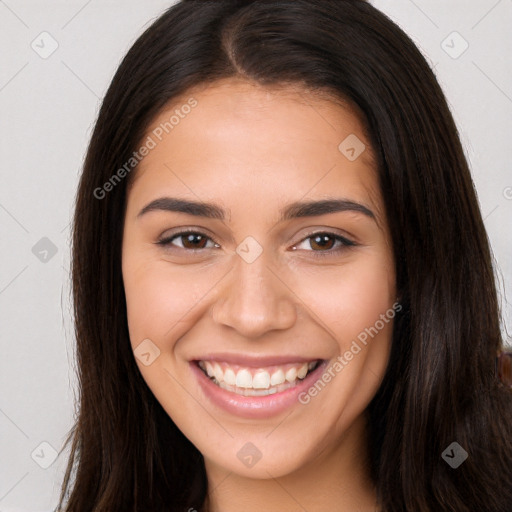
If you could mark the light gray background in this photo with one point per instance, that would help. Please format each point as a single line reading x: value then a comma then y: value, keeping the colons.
x: 48, y: 106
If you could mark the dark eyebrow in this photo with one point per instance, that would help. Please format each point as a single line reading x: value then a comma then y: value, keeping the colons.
x: 313, y: 208
x: 291, y: 211
x: 172, y: 204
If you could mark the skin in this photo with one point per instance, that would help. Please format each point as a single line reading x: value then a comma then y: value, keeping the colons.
x: 253, y: 150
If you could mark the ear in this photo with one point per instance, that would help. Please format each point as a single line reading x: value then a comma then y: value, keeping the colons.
x: 504, y: 367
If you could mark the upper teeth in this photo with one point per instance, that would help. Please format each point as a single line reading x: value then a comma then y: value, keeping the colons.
x: 256, y: 378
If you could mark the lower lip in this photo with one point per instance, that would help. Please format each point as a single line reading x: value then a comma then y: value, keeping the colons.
x: 254, y: 406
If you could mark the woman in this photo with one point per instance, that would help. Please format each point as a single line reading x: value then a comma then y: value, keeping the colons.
x: 224, y: 363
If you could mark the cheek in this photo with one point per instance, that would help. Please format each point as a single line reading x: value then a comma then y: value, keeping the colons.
x: 162, y: 302
x: 349, y: 298
x: 354, y: 303
x: 147, y: 296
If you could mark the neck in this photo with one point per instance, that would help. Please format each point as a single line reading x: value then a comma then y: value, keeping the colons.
x: 337, y: 479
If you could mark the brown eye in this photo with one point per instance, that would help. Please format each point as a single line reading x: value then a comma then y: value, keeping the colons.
x: 193, y: 241
x: 190, y: 240
x: 324, y: 243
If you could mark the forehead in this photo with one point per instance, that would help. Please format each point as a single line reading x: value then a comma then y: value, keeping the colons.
x: 266, y: 142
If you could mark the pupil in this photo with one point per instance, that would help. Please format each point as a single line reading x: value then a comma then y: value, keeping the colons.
x: 194, y: 238
x: 323, y: 240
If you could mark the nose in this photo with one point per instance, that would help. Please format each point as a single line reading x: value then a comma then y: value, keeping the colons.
x: 255, y: 300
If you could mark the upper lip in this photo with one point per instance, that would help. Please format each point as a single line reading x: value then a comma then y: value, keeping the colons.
x: 252, y: 361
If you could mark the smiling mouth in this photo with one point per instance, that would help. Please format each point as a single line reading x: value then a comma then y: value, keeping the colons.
x: 246, y: 381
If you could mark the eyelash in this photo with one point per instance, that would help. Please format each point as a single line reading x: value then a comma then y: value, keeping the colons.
x: 346, y: 243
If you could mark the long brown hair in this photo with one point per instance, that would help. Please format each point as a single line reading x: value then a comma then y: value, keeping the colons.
x: 440, y: 386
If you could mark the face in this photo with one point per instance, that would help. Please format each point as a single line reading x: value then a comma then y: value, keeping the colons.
x: 259, y: 274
